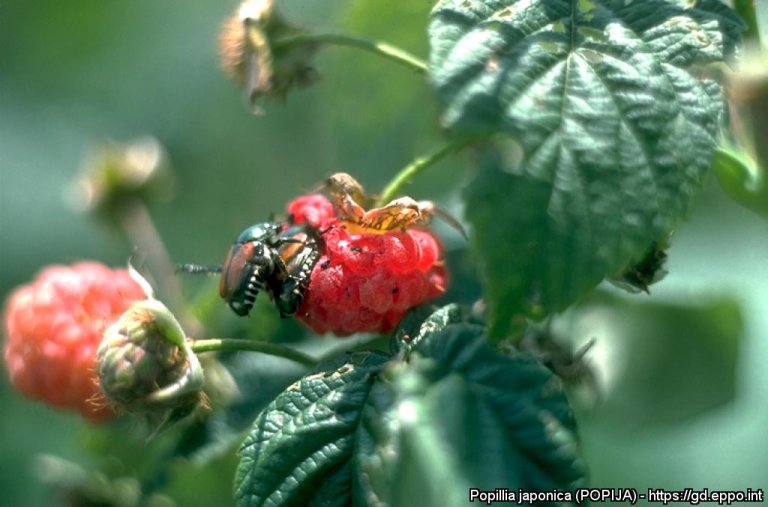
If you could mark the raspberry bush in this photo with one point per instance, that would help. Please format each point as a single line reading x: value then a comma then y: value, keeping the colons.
x: 449, y: 326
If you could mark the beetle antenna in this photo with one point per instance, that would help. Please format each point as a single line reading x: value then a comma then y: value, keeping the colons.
x: 197, y: 269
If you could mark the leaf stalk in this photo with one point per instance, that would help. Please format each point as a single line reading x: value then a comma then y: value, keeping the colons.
x: 271, y: 349
x: 418, y: 165
x: 379, y: 48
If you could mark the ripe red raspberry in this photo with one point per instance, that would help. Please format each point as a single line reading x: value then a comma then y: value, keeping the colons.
x: 365, y: 282
x: 53, y: 327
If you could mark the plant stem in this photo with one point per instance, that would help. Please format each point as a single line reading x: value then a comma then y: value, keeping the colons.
x: 407, y: 173
x: 380, y: 48
x: 140, y: 230
x: 272, y: 349
x: 746, y: 9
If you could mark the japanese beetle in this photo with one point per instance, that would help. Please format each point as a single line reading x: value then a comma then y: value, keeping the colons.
x: 250, y: 264
x: 266, y: 256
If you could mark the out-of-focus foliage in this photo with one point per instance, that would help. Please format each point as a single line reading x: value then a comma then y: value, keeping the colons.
x: 719, y: 251
x: 668, y: 362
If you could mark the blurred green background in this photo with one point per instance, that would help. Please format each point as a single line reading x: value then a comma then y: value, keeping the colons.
x: 73, y: 74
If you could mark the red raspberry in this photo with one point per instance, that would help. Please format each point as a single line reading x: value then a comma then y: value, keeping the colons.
x: 365, y: 282
x: 315, y: 209
x: 53, y: 328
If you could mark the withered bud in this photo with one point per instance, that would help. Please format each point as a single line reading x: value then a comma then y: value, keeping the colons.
x: 253, y: 57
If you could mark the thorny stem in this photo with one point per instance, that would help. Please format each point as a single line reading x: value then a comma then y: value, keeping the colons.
x: 746, y: 9
x: 272, y: 349
x: 382, y: 49
x: 407, y: 173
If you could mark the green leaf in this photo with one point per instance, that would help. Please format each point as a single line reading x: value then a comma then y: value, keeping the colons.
x: 460, y: 415
x: 223, y: 429
x: 303, y: 440
x: 456, y: 414
x: 545, y: 70
x: 419, y: 324
x: 614, y: 124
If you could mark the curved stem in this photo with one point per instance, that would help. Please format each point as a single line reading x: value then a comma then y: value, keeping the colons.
x: 271, y: 349
x: 407, y: 173
x: 380, y: 48
x: 741, y: 179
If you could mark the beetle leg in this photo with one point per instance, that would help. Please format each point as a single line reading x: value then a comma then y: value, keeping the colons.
x: 291, y: 293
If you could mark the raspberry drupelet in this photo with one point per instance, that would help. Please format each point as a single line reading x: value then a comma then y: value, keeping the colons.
x: 365, y: 282
x: 53, y: 327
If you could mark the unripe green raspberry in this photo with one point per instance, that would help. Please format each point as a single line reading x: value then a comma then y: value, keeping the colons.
x: 145, y: 365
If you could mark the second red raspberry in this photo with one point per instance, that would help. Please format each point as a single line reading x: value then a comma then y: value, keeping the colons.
x: 366, y: 282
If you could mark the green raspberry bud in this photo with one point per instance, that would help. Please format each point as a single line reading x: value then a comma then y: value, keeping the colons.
x: 145, y: 365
